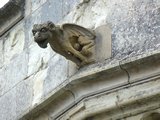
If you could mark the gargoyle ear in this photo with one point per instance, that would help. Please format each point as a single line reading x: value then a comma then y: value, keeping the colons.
x: 35, y: 25
x: 50, y: 24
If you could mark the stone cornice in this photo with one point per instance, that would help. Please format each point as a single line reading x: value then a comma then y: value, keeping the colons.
x: 105, y: 79
x: 10, y: 14
x: 127, y: 101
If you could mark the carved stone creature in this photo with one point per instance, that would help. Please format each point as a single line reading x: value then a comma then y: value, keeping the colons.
x: 73, y: 42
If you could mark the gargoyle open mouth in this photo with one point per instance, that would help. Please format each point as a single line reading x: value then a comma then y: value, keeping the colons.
x: 42, y: 43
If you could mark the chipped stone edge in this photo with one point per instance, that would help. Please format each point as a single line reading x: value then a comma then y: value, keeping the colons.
x: 89, y: 74
x: 11, y: 13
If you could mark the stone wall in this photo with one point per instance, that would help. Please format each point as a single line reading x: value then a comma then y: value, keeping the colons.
x: 29, y: 74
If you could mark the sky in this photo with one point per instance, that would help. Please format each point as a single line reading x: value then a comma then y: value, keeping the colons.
x: 3, y: 2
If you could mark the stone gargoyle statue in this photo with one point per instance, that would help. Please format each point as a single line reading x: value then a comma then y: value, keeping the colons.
x: 72, y: 41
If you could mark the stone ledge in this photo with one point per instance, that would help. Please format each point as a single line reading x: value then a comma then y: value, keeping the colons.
x: 88, y: 75
x: 10, y: 14
x: 119, y: 104
x: 142, y: 67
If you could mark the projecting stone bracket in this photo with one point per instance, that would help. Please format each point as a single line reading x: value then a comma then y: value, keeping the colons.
x: 103, y: 43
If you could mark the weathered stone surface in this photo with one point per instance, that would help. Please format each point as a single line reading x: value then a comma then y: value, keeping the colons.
x: 103, y: 81
x: 8, y: 105
x: 52, y: 11
x: 133, y: 23
x: 15, y: 101
x: 68, y: 6
x: 42, y: 117
x: 38, y: 87
x: 138, y: 117
x: 10, y: 14
x: 2, y: 81
x: 143, y: 115
x: 1, y: 53
x: 13, y: 43
x: 29, y: 21
x: 38, y: 58
x: 72, y: 68
x: 135, y: 30
x: 141, y: 69
x: 24, y: 96
x: 57, y: 73
x: 36, y: 4
x: 118, y: 104
x: 103, y: 42
x: 16, y: 71
x: 28, y: 8
x: 55, y: 11
x: 66, y: 98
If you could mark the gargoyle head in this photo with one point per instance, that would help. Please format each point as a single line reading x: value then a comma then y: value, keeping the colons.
x: 42, y: 33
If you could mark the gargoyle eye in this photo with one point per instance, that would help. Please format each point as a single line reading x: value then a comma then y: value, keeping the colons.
x: 43, y: 30
x: 34, y: 32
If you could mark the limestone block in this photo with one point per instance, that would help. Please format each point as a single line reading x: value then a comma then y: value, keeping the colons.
x: 2, y: 80
x: 38, y: 87
x: 103, y: 43
x: 8, y: 105
x: 1, y: 53
x: 38, y: 58
x: 88, y: 82
x: 68, y: 6
x: 14, y: 43
x: 16, y: 71
x: 55, y: 11
x: 72, y: 68
x: 28, y: 8
x: 52, y: 11
x: 42, y: 117
x: 16, y: 101
x: 134, y: 31
x: 36, y: 4
x: 24, y: 96
x: 57, y: 73
x: 120, y: 103
x: 134, y: 118
x: 143, y: 68
x: 60, y: 104
x: 29, y: 22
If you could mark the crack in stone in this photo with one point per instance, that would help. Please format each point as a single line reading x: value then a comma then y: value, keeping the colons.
x: 125, y: 70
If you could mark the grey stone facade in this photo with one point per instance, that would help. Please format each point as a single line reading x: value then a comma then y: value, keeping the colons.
x: 38, y: 84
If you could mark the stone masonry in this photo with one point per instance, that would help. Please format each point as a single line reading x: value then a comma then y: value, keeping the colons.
x: 38, y: 84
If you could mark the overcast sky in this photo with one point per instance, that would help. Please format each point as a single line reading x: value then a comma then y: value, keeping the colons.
x: 3, y: 2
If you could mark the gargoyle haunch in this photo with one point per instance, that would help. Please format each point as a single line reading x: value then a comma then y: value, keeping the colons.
x: 73, y: 42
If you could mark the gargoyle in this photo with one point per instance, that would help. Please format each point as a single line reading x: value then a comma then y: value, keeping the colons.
x: 73, y: 42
